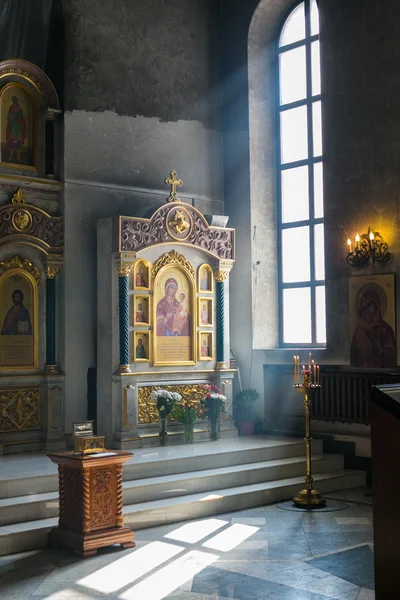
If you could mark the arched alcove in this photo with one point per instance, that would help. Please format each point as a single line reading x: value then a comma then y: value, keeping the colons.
x: 263, y: 31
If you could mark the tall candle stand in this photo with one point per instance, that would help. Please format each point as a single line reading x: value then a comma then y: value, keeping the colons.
x: 309, y: 497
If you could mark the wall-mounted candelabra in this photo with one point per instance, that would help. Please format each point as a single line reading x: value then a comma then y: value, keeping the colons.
x: 368, y: 246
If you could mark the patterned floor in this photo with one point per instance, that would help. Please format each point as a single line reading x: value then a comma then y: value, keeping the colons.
x: 259, y: 554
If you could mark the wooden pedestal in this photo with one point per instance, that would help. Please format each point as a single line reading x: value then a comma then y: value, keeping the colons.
x: 90, y: 490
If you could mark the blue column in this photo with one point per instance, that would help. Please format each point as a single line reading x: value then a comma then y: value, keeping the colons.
x: 123, y: 287
x: 220, y: 279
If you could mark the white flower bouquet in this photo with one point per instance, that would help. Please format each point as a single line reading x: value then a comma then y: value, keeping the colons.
x: 165, y: 401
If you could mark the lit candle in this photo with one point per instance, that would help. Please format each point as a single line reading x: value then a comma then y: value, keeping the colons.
x: 295, y: 370
x: 309, y: 361
x: 317, y: 374
x: 357, y: 241
x: 349, y: 244
x: 371, y: 238
x: 298, y: 370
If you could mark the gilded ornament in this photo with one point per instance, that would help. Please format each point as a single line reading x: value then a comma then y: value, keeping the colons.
x: 19, y: 197
x: 148, y: 410
x: 179, y: 223
x: 169, y: 258
x: 20, y: 263
x: 124, y: 269
x: 19, y: 409
x: 51, y: 271
x: 21, y: 220
x: 174, y: 183
x: 221, y: 276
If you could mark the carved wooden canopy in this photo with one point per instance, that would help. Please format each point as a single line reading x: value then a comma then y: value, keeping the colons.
x: 23, y: 223
x: 176, y: 223
x: 18, y: 69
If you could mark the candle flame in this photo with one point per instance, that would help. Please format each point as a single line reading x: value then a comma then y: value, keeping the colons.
x: 357, y: 238
x: 371, y: 236
x: 348, y: 242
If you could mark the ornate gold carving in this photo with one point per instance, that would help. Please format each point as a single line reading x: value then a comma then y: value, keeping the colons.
x: 21, y: 220
x: 21, y: 263
x: 179, y: 223
x: 19, y: 197
x: 51, y: 271
x: 172, y: 257
x: 124, y: 269
x: 221, y: 276
x: 148, y: 410
x: 103, y: 499
x: 174, y: 183
x: 125, y: 406
x: 120, y: 518
x: 19, y: 409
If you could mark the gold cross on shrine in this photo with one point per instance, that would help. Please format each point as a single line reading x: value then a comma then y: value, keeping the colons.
x: 174, y: 183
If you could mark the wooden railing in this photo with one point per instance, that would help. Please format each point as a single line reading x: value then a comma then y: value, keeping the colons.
x: 344, y: 393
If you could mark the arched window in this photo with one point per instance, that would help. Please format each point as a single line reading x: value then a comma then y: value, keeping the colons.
x: 299, y: 186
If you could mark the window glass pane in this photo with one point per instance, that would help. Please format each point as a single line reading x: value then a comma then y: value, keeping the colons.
x: 295, y: 198
x: 317, y: 128
x: 294, y: 144
x: 318, y: 191
x: 319, y: 251
x: 315, y: 69
x: 292, y: 75
x: 320, y: 314
x: 297, y: 316
x: 295, y: 254
x: 295, y: 27
x: 314, y: 18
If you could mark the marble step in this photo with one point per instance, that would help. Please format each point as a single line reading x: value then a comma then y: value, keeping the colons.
x: 31, y: 535
x: 42, y: 506
x: 30, y: 476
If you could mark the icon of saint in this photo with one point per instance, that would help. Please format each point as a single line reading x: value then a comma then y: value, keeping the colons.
x: 140, y: 280
x: 204, y: 315
x: 17, y: 320
x: 141, y: 316
x: 172, y: 318
x: 140, y: 349
x: 373, y: 345
x: 204, y: 350
x: 204, y: 280
x: 16, y: 131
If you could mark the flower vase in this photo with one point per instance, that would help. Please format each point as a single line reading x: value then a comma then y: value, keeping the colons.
x: 163, y: 432
x: 188, y: 433
x: 214, y: 430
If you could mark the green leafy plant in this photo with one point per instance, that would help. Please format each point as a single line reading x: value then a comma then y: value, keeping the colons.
x: 186, y: 412
x: 243, y: 404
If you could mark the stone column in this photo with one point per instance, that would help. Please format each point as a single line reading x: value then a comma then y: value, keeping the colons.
x: 124, y: 270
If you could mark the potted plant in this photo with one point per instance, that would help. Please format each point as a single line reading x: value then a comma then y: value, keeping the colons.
x: 243, y: 407
x: 166, y: 402
x: 186, y: 412
x: 214, y: 403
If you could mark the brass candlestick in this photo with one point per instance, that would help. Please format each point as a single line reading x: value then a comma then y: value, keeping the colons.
x: 309, y: 497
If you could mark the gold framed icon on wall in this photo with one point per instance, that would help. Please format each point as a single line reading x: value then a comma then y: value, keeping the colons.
x: 205, y: 277
x: 141, y: 346
x: 141, y: 275
x: 205, y: 312
x: 19, y: 333
x: 206, y: 345
x: 141, y: 310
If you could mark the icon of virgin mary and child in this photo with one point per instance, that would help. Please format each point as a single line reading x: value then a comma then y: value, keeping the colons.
x: 172, y: 315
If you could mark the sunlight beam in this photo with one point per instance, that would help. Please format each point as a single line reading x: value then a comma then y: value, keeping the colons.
x: 231, y: 537
x: 171, y: 577
x: 128, y: 569
x: 191, y: 533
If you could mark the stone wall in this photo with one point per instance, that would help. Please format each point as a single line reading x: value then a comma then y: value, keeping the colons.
x: 361, y: 131
x: 141, y: 99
